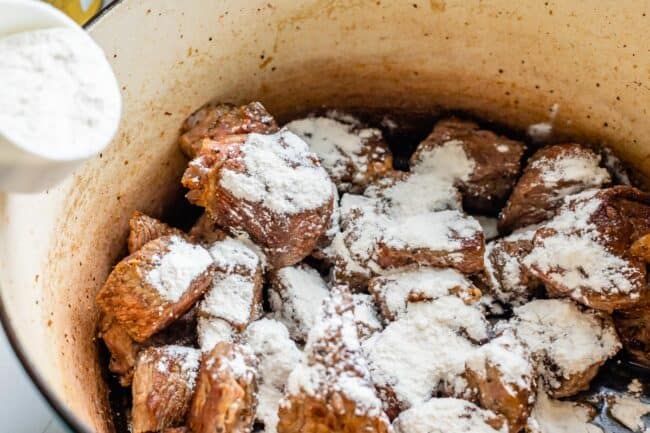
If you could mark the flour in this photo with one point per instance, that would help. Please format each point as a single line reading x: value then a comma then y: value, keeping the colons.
x: 174, y: 272
x: 296, y: 296
x: 567, y: 340
x: 447, y: 415
x: 365, y: 315
x: 403, y: 356
x: 180, y: 360
x: 448, y: 162
x: 489, y: 226
x: 575, y: 258
x: 342, y: 145
x: 579, y: 168
x: 508, y: 355
x: 279, y: 173
x: 232, y: 254
x: 231, y: 298
x: 58, y: 97
x: 394, y: 292
x: 277, y: 356
x: 212, y: 331
x: 557, y: 416
x: 334, y: 362
x: 541, y: 132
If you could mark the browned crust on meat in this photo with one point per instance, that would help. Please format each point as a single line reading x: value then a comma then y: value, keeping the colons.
x: 222, y: 401
x: 160, y: 398
x: 493, y: 394
x: 531, y: 201
x: 495, y: 171
x: 218, y: 120
x: 206, y: 231
x: 144, y: 228
x: 286, y: 239
x: 136, y: 305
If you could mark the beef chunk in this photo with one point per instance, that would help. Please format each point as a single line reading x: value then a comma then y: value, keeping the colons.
x: 331, y: 390
x: 163, y: 384
x: 225, y: 399
x: 353, y: 154
x: 151, y: 288
x: 144, y: 228
x: 552, y: 173
x: 269, y: 186
x: 216, y: 121
x: 492, y: 162
x: 584, y: 252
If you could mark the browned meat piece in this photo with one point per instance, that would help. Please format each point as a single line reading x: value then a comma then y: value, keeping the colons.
x: 295, y: 296
x: 505, y: 278
x: 163, y: 384
x: 403, y: 366
x: 353, y: 154
x: 374, y: 241
x: 394, y: 292
x: 206, y: 231
x: 583, y: 252
x: 492, y: 162
x: 226, y: 391
x: 123, y: 349
x: 235, y: 294
x: 568, y: 345
x: 366, y: 316
x: 551, y: 174
x: 219, y: 120
x: 331, y: 390
x: 502, y: 374
x: 144, y: 228
x: 449, y: 415
x: 269, y: 186
x: 641, y: 248
x: 151, y: 288
x: 633, y: 326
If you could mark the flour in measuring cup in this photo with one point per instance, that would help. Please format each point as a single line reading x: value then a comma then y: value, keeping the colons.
x: 58, y: 96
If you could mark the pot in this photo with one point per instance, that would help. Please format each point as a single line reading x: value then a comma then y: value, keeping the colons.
x: 509, y: 62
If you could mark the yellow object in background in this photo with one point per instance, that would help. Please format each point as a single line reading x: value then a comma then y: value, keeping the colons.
x: 79, y: 10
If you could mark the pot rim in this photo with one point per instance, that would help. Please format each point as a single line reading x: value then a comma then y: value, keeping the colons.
x: 70, y: 420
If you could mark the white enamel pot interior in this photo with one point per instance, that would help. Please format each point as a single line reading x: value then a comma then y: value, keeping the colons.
x: 505, y: 61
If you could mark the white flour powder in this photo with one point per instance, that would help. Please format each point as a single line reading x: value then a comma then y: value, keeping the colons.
x: 58, y: 96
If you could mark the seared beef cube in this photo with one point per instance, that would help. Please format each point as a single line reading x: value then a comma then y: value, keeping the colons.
x: 163, y: 384
x: 144, y: 228
x: 353, y: 154
x: 503, y: 376
x: 269, y: 186
x: 506, y: 279
x: 449, y: 415
x: 278, y: 356
x: 584, y: 252
x: 404, y: 364
x: 235, y: 294
x: 552, y: 173
x: 151, y: 288
x: 216, y: 121
x: 394, y: 292
x: 225, y: 398
x: 374, y: 241
x: 483, y: 165
x: 331, y: 390
x: 296, y: 295
x: 567, y: 344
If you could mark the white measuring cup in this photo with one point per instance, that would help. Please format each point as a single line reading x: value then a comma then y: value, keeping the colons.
x: 22, y: 169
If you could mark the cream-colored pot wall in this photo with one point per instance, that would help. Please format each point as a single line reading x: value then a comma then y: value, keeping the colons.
x: 503, y: 60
